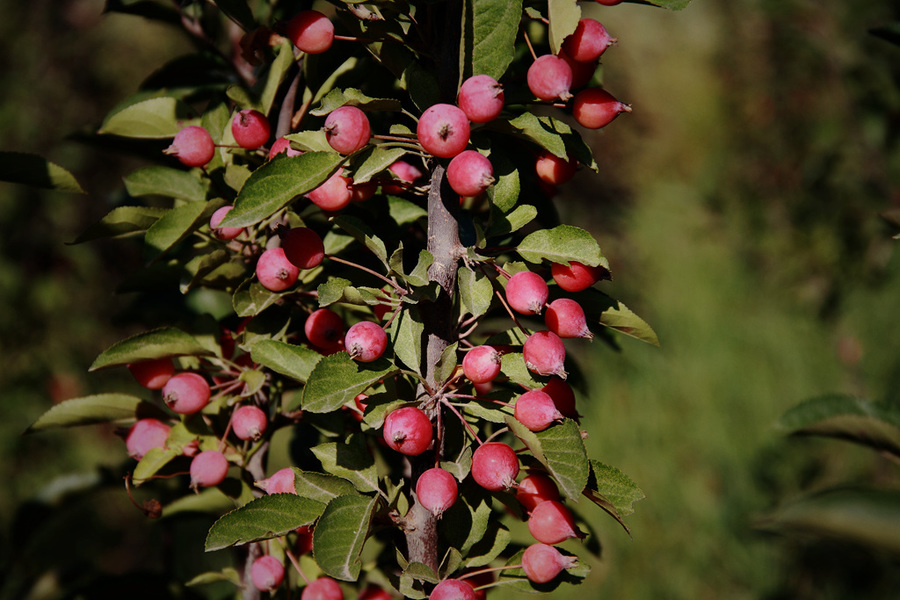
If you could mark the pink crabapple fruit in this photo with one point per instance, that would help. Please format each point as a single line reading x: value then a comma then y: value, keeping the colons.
x: 609, y: 2
x: 527, y: 293
x: 582, y: 72
x: 280, y: 482
x: 145, y: 435
x: 405, y: 172
x: 225, y: 234
x: 311, y: 31
x: 535, y: 410
x: 553, y: 169
x: 334, y: 194
x: 208, y: 469
x: 360, y: 192
x: 323, y: 588
x: 267, y: 573
x: 274, y: 271
x: 550, y: 78
x: 481, y: 98
x: 408, y: 430
x: 365, y: 341
x: 551, y: 523
x: 453, y: 589
x: 443, y: 130
x: 249, y: 422
x: 495, y: 466
x: 280, y: 145
x: 577, y: 276
x: 470, y: 173
x: 589, y: 40
x: 594, y: 108
x: 565, y: 318
x: 534, y: 489
x: 373, y: 592
x: 324, y: 329
x: 563, y: 396
x: 250, y: 129
x: 481, y: 364
x: 186, y: 393
x: 436, y: 490
x: 303, y: 247
x: 542, y: 562
x: 193, y: 146
x: 347, y: 129
x: 154, y: 373
x: 545, y: 354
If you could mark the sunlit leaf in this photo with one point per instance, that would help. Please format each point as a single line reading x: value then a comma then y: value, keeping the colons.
x: 296, y: 362
x: 88, y: 410
x: 562, y: 244
x: 340, y: 534
x: 337, y: 379
x: 352, y: 461
x: 489, y: 36
x: 560, y: 449
x: 564, y: 16
x: 265, y: 518
x: 165, y: 181
x: 158, y: 343
x: 156, y: 118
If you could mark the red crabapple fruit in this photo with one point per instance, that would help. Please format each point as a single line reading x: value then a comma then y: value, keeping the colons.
x: 404, y: 172
x: 565, y: 318
x: 542, y: 563
x: 250, y: 129
x: 408, y: 430
x: 551, y: 523
x: 333, y: 194
x: 249, y: 422
x: 595, y: 108
x: 452, y: 589
x: 324, y: 329
x: 609, y: 2
x: 225, y: 234
x: 145, y: 435
x: 303, y: 247
x: 347, y: 129
x: 436, y: 490
x: 495, y: 466
x: 481, y: 364
x: 577, y: 276
x: 550, y: 78
x: 193, y: 146
x: 545, y: 354
x: 280, y: 145
x: 274, y: 271
x: 365, y: 341
x: 553, y: 169
x: 563, y: 396
x: 535, y: 410
x: 186, y: 393
x: 534, y: 489
x: 280, y: 482
x: 582, y: 72
x: 470, y: 173
x: 373, y: 592
x: 527, y: 292
x: 443, y: 130
x: 323, y: 588
x: 589, y: 40
x: 267, y: 573
x: 360, y: 192
x: 208, y: 469
x: 153, y: 373
x: 311, y: 31
x: 481, y: 98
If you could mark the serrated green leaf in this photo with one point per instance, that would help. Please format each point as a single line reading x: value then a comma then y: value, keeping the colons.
x: 164, y: 181
x: 516, y: 219
x: 466, y: 522
x: 321, y: 487
x: 494, y: 542
x: 489, y: 36
x: 340, y: 535
x: 337, y: 379
x: 284, y: 58
x: 446, y: 364
x: 158, y: 343
x: 265, y: 518
x: 363, y: 234
x: 403, y: 211
x: 176, y: 225
x: 156, y: 118
x: 418, y: 277
x: 561, y: 450
x: 353, y: 97
x: 609, y: 312
x: 562, y: 244
x: 236, y: 176
x: 613, y: 491
x: 352, y: 461
x: 311, y: 141
x: 544, y: 131
x: 36, y: 171
x: 296, y: 362
x: 564, y: 16
x: 406, y: 334
x: 251, y: 298
x: 332, y: 290
x: 152, y: 461
x: 372, y: 161
x: 122, y: 221
x: 229, y: 574
x: 504, y: 194
x: 88, y: 410
x: 512, y: 364
x: 475, y: 290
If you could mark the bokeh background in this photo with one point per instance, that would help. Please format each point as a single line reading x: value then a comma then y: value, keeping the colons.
x: 738, y: 205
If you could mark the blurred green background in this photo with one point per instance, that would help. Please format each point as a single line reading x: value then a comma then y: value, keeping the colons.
x: 738, y: 205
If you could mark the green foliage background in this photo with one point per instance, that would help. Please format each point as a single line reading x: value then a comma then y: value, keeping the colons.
x: 737, y: 205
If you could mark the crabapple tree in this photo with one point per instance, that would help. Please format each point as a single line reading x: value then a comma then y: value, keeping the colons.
x: 361, y: 196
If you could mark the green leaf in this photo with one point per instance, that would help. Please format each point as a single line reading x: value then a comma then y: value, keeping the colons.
x: 321, y: 487
x: 352, y: 461
x: 158, y: 343
x: 544, y: 131
x: 504, y: 194
x: 374, y: 160
x: 560, y: 449
x: 516, y: 219
x: 152, y: 461
x: 122, y: 221
x: 284, y: 58
x: 403, y: 211
x: 670, y: 4
x: 494, y: 542
x: 265, y: 518
x: 164, y: 181
x: 209, y: 501
x: 353, y: 97
x: 363, y: 234
x: 609, y: 312
x: 36, y: 171
x: 564, y: 16
x: 296, y: 362
x: 446, y: 364
x: 613, y: 491
x: 475, y: 290
x: 239, y: 12
x: 406, y: 334
x: 340, y: 534
x: 156, y: 118
x: 88, y: 410
x: 560, y: 245
x: 337, y: 379
x: 489, y: 36
x: 311, y: 141
x: 176, y: 225
x: 251, y: 298
x: 466, y: 522
x: 512, y: 364
x: 275, y: 184
x: 228, y: 574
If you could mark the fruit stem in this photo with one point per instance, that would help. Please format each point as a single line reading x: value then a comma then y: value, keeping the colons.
x: 488, y: 570
x: 399, y: 289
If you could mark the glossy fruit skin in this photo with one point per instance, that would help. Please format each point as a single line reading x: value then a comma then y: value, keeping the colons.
x: 324, y: 329
x: 274, y: 271
x: 334, y: 194
x: 550, y: 78
x: 365, y: 341
x: 589, y: 40
x: 154, y: 373
x: 225, y: 234
x: 303, y: 247
x: 534, y: 489
x: 323, y: 588
x: 527, y: 293
x: 594, y: 108
x: 250, y: 129
x: 408, y: 430
x: 545, y: 354
x: 481, y: 98
x: 208, y: 469
x: 267, y: 573
x: 470, y: 173
x: 582, y: 72
x: 495, y: 466
x: 452, y: 589
x: 542, y: 563
x: 347, y: 129
x: 563, y: 396
x: 553, y: 169
x: 551, y: 523
x: 280, y: 482
x: 609, y: 2
x: 193, y: 146
x: 443, y: 130
x: 311, y: 31
x: 481, y: 364
x: 249, y: 422
x: 280, y: 145
x: 565, y: 318
x: 186, y: 393
x: 577, y: 276
x: 436, y: 490
x: 535, y: 410
x: 144, y: 435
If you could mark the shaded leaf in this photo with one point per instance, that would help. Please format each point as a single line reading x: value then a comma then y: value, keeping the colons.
x: 176, y: 225
x: 406, y: 339
x: 88, y: 410
x: 561, y: 450
x: 265, y: 518
x: 122, y: 221
x: 340, y: 535
x: 158, y: 343
x: 353, y: 97
x: 36, y: 171
x: 165, y: 181
x: 352, y: 461
x: 512, y: 364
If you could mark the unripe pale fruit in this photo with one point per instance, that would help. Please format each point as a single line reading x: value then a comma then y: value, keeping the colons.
x: 470, y: 173
x: 436, y: 490
x: 303, y: 247
x: 250, y: 129
x: 208, y: 469
x: 527, y: 293
x: 311, y: 31
x: 267, y: 573
x: 365, y: 341
x: 347, y: 129
x: 334, y: 194
x: 452, y: 589
x: 534, y: 489
x: 274, y: 271
x: 577, y: 276
x: 249, y: 422
x: 481, y: 364
x: 595, y: 108
x: 193, y: 146
x: 443, y: 130
x: 550, y: 78
x: 551, y: 523
x: 324, y: 329
x: 323, y: 588
x: 565, y: 318
x: 408, y: 430
x: 281, y: 482
x: 545, y: 354
x: 535, y: 410
x: 589, y: 40
x: 226, y: 234
x: 553, y: 169
x: 280, y: 145
x: 144, y: 435
x: 481, y: 98
x: 542, y: 563
x: 154, y: 373
x: 563, y: 396
x: 495, y: 466
x: 186, y: 393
